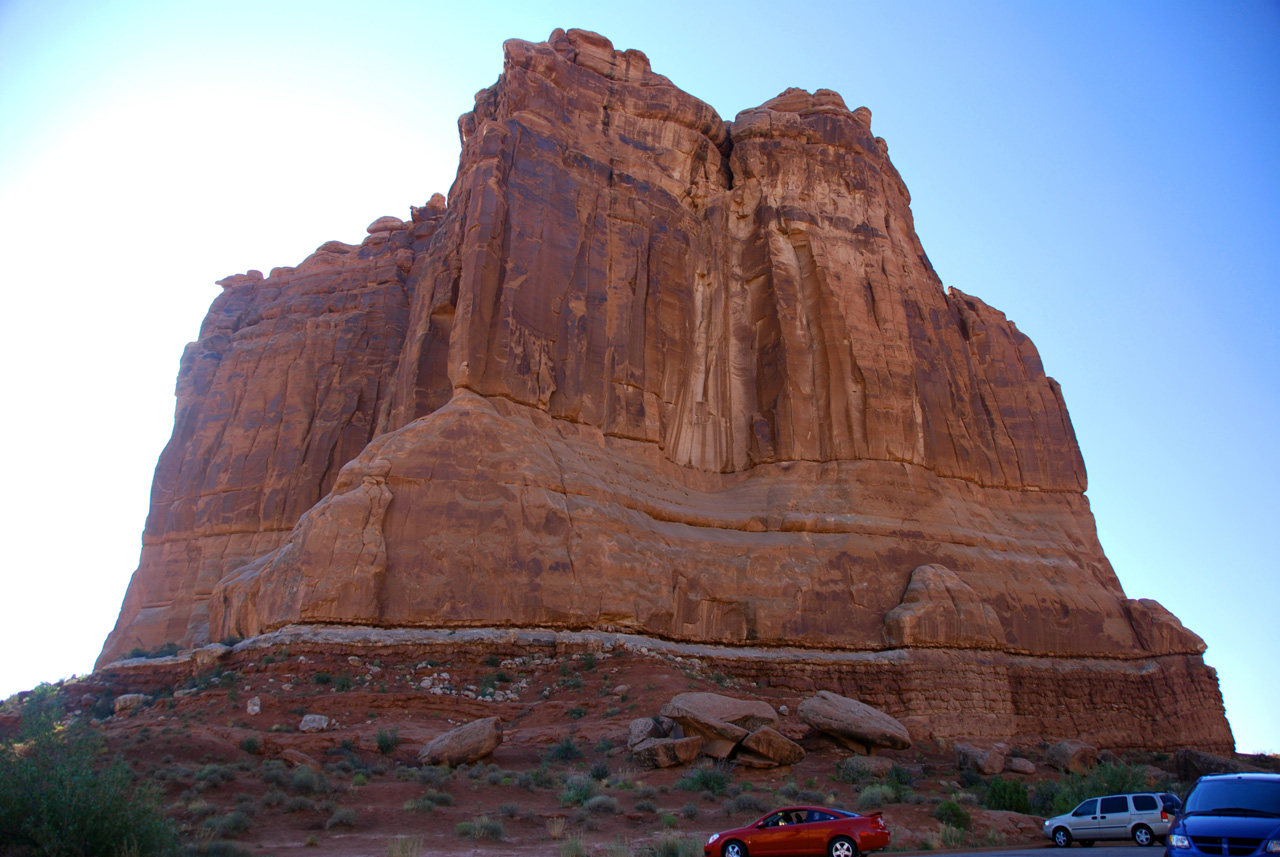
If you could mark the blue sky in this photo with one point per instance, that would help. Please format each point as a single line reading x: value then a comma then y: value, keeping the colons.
x: 1104, y: 173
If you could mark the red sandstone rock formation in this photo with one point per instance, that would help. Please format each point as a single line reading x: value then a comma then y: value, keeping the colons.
x: 650, y: 371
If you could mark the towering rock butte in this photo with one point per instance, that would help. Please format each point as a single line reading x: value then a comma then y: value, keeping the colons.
x: 660, y: 373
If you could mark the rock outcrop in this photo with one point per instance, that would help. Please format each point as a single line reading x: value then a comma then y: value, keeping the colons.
x: 652, y: 371
x: 855, y: 725
x: 465, y: 744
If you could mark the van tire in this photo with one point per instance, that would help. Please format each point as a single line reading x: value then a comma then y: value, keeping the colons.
x: 1062, y: 837
x: 1143, y: 835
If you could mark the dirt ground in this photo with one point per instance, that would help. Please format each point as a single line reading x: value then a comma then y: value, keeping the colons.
x: 226, y: 774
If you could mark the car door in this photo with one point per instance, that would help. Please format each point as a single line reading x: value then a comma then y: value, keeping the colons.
x: 1084, y: 820
x: 1113, y: 817
x: 771, y: 836
x: 819, y: 831
x: 793, y: 834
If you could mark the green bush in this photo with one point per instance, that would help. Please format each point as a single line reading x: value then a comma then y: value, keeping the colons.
x: 480, y: 828
x: 343, y: 817
x: 853, y: 771
x: 564, y: 751
x: 58, y: 798
x: 1009, y: 795
x: 388, y: 740
x: 952, y: 813
x: 671, y: 846
x: 602, y: 804
x: 1102, y: 780
x: 577, y: 791
x: 251, y: 745
x: 709, y: 778
x: 874, y: 796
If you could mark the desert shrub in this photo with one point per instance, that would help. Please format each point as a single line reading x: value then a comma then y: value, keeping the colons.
x: 669, y: 820
x: 874, y: 796
x: 251, y: 745
x: 343, y: 683
x: 388, y: 740
x: 404, y: 846
x: 509, y: 810
x: 573, y: 847
x: 601, y: 804
x: 577, y: 791
x: 305, y: 781
x: 482, y: 827
x: 555, y: 826
x: 708, y: 778
x: 577, y: 712
x: 236, y: 821
x: 789, y: 791
x: 434, y: 776
x: 57, y: 797
x: 853, y: 771
x: 604, y: 745
x: 671, y: 846
x: 690, y: 811
x: 343, y: 817
x: 646, y: 791
x: 952, y: 813
x: 428, y: 802
x: 1102, y: 780
x: 321, y: 678
x: 743, y: 803
x: 215, y: 775
x: 599, y: 771
x: 298, y: 803
x: 952, y: 837
x: 814, y: 796
x: 273, y: 773
x: 273, y: 797
x: 645, y: 806
x: 1009, y: 795
x: 1044, y: 796
x: 564, y: 751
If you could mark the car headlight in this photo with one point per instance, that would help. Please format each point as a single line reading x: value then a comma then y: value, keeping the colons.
x: 713, y: 838
x: 1273, y: 846
x: 1177, y: 840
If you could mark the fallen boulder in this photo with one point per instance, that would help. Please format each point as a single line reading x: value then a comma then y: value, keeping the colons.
x: 1072, y: 757
x: 313, y: 723
x: 771, y: 746
x: 1019, y: 765
x: 988, y: 762
x: 465, y: 744
x: 129, y: 702
x: 721, y: 721
x: 644, y: 728
x: 853, y: 724
x: 667, y: 752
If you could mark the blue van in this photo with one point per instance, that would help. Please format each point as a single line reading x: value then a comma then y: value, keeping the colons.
x: 1228, y: 815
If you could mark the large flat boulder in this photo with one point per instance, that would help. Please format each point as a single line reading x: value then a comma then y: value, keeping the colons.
x: 721, y: 721
x: 465, y: 744
x: 1072, y: 757
x: 853, y: 724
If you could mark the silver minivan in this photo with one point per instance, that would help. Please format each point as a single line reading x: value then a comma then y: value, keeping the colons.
x: 1143, y: 817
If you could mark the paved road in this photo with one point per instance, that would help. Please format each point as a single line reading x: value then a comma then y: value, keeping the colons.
x: 1117, y: 850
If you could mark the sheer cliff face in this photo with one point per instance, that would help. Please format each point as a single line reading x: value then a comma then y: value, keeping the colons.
x: 649, y: 371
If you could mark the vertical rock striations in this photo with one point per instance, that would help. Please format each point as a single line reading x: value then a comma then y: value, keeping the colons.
x: 662, y: 373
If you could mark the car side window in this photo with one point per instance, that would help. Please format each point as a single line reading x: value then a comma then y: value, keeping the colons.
x: 814, y: 815
x: 1115, y: 804
x: 1089, y: 807
x: 772, y: 821
x: 1144, y: 803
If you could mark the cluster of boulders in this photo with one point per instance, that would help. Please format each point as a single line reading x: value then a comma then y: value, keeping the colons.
x: 724, y: 727
x: 992, y: 760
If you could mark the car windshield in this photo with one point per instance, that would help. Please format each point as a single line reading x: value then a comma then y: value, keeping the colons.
x: 1235, y: 797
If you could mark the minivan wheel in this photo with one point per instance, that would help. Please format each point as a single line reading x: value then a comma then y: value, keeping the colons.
x: 1061, y: 837
x: 1143, y: 835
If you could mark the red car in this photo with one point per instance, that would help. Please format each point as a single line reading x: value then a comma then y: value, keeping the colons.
x: 801, y: 830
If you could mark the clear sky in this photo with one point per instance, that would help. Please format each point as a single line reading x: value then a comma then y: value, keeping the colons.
x: 1106, y: 173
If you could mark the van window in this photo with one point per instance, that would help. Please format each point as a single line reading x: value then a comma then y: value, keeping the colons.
x: 1144, y: 803
x: 1089, y: 807
x: 1112, y: 805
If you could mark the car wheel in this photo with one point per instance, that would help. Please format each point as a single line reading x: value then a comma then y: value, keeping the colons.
x: 842, y: 846
x: 1143, y: 835
x: 733, y: 848
x: 1086, y: 843
x: 1061, y: 837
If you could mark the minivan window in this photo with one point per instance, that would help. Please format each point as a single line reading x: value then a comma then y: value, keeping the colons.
x: 1144, y: 803
x: 1089, y: 807
x: 1170, y: 802
x: 1115, y: 804
x: 1238, y: 796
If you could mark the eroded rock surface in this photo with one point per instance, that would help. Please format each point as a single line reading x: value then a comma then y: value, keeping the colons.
x: 652, y: 371
x: 854, y: 724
